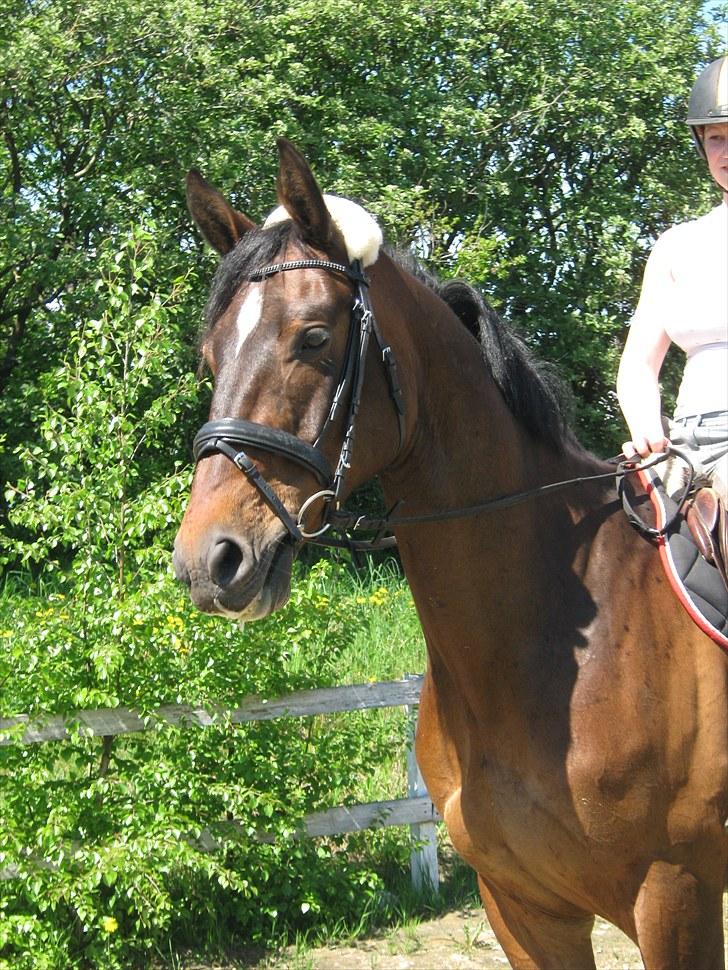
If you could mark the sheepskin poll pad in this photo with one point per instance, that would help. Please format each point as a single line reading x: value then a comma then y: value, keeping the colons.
x: 360, y: 230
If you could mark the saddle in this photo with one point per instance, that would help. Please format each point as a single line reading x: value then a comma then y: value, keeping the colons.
x: 707, y: 519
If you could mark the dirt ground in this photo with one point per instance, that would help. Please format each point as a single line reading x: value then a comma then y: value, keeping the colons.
x: 459, y: 940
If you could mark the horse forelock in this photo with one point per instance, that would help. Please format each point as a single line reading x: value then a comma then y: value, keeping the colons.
x: 362, y: 235
x: 257, y: 249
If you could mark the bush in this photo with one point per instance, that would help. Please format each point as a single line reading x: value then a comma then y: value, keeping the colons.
x: 102, y: 834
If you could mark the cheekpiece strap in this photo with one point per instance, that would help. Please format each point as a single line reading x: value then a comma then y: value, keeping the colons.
x: 248, y: 467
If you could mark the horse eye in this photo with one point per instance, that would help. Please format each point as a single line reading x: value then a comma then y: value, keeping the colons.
x: 315, y: 338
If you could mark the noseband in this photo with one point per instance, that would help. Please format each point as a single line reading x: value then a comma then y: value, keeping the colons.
x: 229, y: 436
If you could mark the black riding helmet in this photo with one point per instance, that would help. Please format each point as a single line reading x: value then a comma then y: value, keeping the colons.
x: 709, y: 99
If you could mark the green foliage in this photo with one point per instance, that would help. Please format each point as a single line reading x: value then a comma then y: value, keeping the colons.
x: 93, y: 481
x: 115, y: 820
x: 102, y: 832
x: 536, y: 146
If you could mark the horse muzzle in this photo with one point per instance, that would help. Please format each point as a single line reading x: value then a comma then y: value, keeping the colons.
x: 227, y: 576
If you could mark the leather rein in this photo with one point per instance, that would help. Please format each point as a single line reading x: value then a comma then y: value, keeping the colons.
x: 230, y: 436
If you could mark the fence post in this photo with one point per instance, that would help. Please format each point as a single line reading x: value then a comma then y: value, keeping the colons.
x: 423, y: 860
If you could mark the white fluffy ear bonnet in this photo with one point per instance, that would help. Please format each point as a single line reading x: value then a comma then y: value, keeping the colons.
x: 360, y: 230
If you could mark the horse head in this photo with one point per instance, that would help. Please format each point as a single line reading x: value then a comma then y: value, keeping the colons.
x: 284, y: 344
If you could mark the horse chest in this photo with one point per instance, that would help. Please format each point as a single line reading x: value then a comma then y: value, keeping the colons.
x: 508, y: 832
x: 521, y: 817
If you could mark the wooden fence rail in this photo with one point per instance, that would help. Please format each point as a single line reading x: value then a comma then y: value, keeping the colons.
x: 416, y: 810
x: 23, y: 729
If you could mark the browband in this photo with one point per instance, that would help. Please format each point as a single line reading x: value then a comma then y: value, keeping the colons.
x: 266, y: 271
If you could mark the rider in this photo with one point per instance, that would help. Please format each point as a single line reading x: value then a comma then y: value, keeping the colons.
x: 684, y: 299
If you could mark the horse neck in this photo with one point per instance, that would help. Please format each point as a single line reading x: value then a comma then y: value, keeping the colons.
x: 467, y: 448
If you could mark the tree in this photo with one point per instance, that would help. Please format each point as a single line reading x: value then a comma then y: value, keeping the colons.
x: 535, y: 146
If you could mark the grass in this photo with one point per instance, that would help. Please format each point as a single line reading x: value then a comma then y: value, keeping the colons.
x: 472, y: 937
x: 403, y: 939
x: 387, y: 641
x: 387, y: 645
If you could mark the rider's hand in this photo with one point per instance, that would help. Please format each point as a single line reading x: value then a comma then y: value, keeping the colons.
x: 645, y: 446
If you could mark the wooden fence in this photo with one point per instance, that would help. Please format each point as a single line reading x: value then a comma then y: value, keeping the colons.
x: 416, y: 810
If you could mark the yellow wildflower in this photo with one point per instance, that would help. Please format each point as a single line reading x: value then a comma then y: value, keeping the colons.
x: 109, y: 924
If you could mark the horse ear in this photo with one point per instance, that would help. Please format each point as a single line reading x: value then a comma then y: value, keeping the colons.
x: 220, y: 224
x: 300, y: 195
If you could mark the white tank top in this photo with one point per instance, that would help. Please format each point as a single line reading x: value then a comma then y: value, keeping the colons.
x: 685, y: 292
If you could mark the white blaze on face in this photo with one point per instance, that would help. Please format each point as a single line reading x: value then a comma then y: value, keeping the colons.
x: 249, y: 314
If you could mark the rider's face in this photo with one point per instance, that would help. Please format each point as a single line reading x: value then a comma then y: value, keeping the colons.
x: 715, y: 143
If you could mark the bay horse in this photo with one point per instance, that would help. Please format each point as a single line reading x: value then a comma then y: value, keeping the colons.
x: 573, y: 720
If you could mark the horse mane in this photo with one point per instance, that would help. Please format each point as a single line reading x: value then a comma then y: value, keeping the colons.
x: 534, y: 392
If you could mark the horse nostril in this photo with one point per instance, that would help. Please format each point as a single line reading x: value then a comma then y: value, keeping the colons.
x: 225, y: 560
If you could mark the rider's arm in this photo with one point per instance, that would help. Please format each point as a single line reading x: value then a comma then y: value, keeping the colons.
x: 638, y: 386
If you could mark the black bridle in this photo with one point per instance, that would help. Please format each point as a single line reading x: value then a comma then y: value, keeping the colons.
x: 229, y: 436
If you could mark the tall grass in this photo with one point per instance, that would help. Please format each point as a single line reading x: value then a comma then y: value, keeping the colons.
x: 387, y: 640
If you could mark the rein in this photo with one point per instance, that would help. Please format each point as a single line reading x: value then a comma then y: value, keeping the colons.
x: 227, y: 436
x: 347, y: 521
